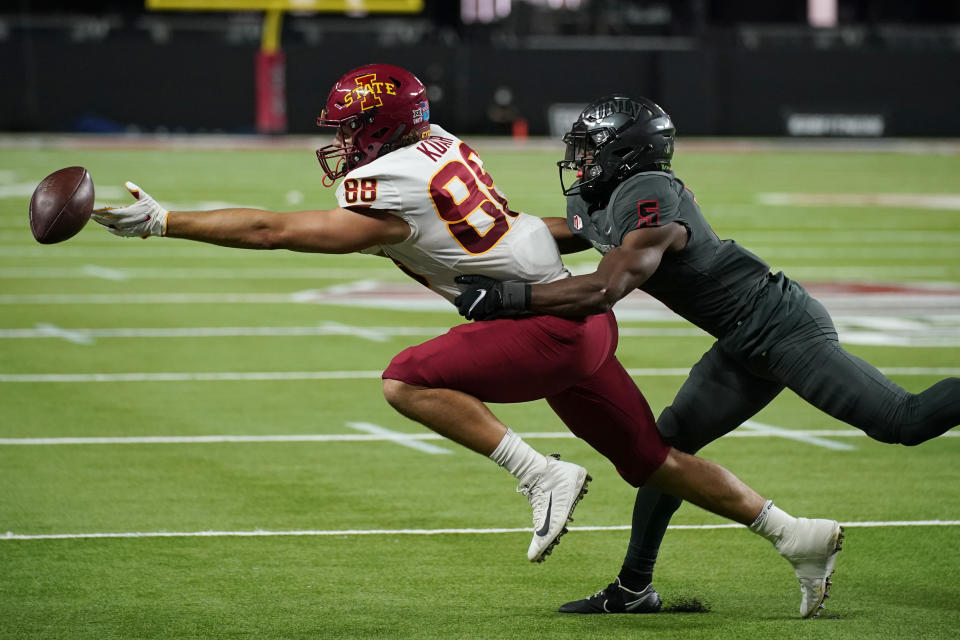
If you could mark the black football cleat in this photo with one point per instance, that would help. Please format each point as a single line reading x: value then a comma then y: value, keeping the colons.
x: 617, y: 599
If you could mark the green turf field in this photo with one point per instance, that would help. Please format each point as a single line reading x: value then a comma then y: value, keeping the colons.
x: 174, y: 367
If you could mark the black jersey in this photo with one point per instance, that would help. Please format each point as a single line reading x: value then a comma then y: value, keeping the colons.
x: 716, y: 284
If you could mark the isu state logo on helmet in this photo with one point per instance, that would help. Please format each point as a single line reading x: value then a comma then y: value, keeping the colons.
x: 373, y: 110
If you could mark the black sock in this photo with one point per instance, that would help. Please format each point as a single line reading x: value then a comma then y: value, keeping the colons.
x: 651, y: 515
x: 635, y: 580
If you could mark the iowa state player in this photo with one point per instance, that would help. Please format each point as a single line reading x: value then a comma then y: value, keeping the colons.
x: 418, y: 195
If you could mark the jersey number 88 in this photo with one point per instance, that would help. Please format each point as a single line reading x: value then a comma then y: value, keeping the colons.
x: 455, y: 212
x: 364, y: 190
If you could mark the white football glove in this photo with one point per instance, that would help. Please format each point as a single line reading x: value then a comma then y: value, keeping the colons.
x: 143, y: 218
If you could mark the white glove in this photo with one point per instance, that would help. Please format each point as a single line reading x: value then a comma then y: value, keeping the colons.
x: 143, y: 218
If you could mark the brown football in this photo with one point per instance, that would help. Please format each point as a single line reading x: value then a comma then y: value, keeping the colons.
x: 61, y: 205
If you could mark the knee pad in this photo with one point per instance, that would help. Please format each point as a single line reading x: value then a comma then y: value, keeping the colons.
x: 675, y: 432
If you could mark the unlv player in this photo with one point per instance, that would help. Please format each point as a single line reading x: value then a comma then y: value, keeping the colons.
x: 771, y: 334
x: 418, y: 195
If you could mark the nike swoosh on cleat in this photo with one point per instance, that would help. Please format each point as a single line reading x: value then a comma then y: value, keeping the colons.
x: 545, y: 529
x: 483, y: 293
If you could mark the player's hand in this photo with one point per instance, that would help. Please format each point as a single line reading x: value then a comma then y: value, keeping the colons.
x: 143, y: 218
x: 484, y: 298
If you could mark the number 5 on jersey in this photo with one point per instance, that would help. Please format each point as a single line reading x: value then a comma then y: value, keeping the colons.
x: 459, y: 190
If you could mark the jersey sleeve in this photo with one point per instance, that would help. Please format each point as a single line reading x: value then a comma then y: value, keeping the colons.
x: 644, y: 201
x: 576, y: 212
x: 376, y: 192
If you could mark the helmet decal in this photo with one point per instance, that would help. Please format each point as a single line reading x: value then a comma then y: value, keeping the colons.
x: 421, y: 112
x: 372, y: 110
x: 368, y: 92
x: 613, y: 105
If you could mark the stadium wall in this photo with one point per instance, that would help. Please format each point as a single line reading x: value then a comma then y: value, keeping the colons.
x: 197, y: 85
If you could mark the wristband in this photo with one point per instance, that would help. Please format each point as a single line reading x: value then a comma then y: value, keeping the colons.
x: 516, y: 296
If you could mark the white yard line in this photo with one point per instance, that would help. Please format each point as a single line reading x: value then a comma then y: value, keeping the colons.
x: 378, y: 334
x: 945, y: 201
x: 399, y: 438
x: 232, y: 376
x: 391, y: 436
x: 258, y: 533
x: 403, y: 438
x: 147, y: 298
x: 52, y: 331
x: 92, y: 271
x: 852, y: 331
x: 941, y: 331
x: 789, y: 434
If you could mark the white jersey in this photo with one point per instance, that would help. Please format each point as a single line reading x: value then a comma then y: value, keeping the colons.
x: 460, y: 222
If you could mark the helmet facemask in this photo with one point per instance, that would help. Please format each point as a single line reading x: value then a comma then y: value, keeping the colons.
x: 343, y: 155
x: 584, y: 156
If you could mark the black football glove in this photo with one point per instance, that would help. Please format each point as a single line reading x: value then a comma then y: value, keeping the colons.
x: 484, y: 298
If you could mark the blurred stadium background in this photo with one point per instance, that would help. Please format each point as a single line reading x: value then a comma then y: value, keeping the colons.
x: 733, y: 68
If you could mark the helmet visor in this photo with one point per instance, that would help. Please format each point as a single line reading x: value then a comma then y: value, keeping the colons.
x: 576, y: 148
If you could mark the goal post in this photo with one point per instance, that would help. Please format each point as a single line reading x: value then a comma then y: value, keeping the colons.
x: 270, y: 63
x: 336, y: 6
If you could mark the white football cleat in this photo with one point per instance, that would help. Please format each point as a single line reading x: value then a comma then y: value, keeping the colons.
x: 811, y: 546
x: 553, y: 495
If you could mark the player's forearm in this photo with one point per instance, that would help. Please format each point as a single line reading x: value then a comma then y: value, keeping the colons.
x: 241, y: 228
x: 618, y: 274
x: 577, y: 296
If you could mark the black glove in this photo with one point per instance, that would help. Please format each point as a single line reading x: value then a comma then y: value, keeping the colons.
x: 484, y: 298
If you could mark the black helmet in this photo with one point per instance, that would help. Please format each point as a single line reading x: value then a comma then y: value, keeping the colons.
x: 613, y: 138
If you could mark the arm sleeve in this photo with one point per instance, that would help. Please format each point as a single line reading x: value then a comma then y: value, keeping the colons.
x: 644, y: 201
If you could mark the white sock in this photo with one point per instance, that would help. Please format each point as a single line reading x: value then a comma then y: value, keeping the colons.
x: 519, y: 458
x: 771, y: 522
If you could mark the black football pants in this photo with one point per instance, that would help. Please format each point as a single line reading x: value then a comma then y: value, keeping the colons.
x: 723, y: 391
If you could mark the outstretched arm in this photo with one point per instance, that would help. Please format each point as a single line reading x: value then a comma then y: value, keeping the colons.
x: 620, y: 271
x: 334, y: 231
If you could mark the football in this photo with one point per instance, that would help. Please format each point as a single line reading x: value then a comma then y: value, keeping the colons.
x: 61, y: 205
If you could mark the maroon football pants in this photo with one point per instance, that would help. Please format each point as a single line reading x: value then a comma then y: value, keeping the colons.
x: 570, y: 362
